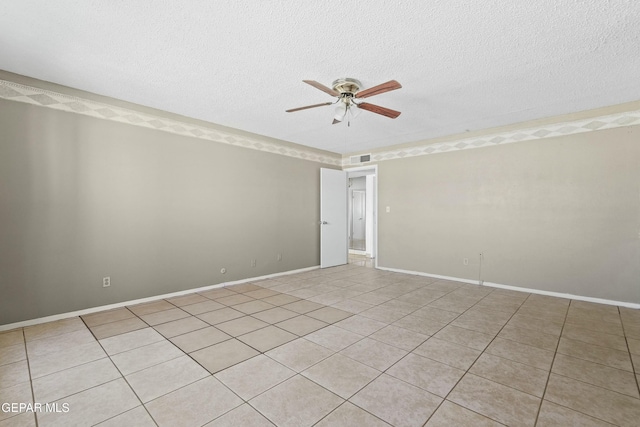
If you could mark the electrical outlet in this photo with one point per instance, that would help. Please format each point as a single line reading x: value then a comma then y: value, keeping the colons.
x: 279, y: 257
x: 465, y: 261
x: 106, y: 282
x: 253, y: 263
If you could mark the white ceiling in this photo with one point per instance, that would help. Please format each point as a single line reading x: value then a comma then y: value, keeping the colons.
x: 464, y: 65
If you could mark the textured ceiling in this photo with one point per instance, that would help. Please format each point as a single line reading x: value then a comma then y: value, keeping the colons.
x: 464, y: 65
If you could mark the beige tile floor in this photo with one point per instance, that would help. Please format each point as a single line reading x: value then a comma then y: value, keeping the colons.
x: 346, y: 346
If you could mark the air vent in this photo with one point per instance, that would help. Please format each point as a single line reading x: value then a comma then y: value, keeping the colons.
x: 360, y: 159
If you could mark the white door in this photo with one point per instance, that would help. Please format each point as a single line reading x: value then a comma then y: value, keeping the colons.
x: 333, y: 218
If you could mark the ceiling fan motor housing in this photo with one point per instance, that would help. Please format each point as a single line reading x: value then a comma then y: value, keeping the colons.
x: 347, y: 86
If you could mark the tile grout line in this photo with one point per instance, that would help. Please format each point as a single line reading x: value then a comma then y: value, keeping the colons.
x: 388, y: 325
x: 626, y: 340
x: 273, y: 386
x: 555, y: 352
x: 121, y: 375
x: 410, y: 352
x: 479, y: 355
x: 345, y: 402
x: 475, y: 360
x: 259, y: 353
x: 85, y: 363
x: 356, y: 392
x: 26, y: 354
x: 296, y: 373
x: 553, y: 361
x: 95, y: 338
x: 587, y: 383
x: 333, y: 281
x: 300, y: 373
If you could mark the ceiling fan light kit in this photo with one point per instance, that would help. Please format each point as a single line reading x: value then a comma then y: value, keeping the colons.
x: 347, y: 90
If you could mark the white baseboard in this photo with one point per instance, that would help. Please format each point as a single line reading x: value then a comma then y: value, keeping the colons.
x: 518, y: 289
x: 563, y: 295
x: 435, y: 276
x: 61, y: 316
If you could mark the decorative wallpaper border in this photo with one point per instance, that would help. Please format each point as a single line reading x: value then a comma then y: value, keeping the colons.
x: 628, y: 118
x: 45, y: 98
x: 57, y: 101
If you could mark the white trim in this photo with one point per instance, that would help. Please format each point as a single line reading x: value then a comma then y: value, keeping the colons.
x: 518, y: 289
x: 61, y: 316
x: 435, y: 276
x: 563, y: 295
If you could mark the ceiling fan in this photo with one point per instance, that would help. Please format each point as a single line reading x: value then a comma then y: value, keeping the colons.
x: 347, y: 90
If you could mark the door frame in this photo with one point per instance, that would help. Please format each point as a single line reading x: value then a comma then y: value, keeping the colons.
x: 374, y: 218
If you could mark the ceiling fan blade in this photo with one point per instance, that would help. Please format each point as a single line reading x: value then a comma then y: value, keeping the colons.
x: 379, y: 110
x: 381, y: 88
x: 322, y: 87
x: 308, y: 106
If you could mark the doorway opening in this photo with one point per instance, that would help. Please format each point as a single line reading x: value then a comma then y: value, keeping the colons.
x: 362, y: 211
x: 357, y: 215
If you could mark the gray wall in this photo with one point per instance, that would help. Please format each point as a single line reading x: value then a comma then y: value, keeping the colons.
x: 559, y: 214
x: 82, y: 198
